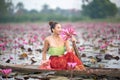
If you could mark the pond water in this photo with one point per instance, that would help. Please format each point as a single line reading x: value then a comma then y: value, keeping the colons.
x: 34, y: 58
x: 98, y: 45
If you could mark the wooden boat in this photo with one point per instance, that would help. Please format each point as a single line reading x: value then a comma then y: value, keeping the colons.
x: 112, y: 72
x: 34, y: 69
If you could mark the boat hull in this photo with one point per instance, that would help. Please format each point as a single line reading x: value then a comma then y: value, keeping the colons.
x: 112, y: 72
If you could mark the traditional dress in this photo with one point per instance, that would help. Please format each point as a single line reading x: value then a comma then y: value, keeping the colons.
x: 59, y: 60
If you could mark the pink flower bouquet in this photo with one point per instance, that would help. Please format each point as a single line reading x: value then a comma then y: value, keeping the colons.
x: 67, y: 33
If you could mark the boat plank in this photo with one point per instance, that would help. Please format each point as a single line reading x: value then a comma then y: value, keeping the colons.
x: 35, y: 68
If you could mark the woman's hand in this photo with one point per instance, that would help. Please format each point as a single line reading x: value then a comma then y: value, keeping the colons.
x: 45, y: 62
x: 73, y: 39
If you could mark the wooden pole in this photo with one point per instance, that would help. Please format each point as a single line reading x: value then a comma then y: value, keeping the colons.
x: 76, y: 49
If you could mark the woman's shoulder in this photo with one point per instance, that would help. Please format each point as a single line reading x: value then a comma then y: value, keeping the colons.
x: 48, y: 38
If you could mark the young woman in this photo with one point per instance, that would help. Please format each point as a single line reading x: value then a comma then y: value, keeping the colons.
x: 60, y: 51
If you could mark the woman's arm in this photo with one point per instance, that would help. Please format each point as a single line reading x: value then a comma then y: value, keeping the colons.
x: 67, y: 44
x: 45, y: 48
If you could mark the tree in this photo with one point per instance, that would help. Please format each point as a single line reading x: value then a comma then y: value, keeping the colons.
x: 5, y: 7
x: 20, y: 9
x: 20, y: 6
x: 10, y: 7
x: 33, y: 11
x: 99, y: 9
x: 45, y: 8
x: 118, y: 14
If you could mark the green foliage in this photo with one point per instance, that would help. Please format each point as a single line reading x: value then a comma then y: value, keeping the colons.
x: 95, y: 9
x: 47, y: 17
x: 100, y: 9
x: 33, y: 17
x: 3, y: 8
x: 118, y: 15
x: 6, y: 8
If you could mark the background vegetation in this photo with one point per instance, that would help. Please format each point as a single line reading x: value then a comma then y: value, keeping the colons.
x: 96, y: 10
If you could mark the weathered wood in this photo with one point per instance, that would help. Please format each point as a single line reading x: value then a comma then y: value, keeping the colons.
x: 35, y: 68
x: 76, y: 50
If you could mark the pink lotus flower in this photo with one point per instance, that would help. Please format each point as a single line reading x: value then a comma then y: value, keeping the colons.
x: 25, y: 42
x: 2, y: 44
x: 15, y: 47
x: 81, y: 48
x: 72, y: 64
x: 6, y: 72
x: 11, y: 57
x: 32, y: 40
x: 67, y: 33
x: 43, y: 37
x: 3, y: 48
x: 103, y: 46
x: 99, y: 41
x: 35, y: 37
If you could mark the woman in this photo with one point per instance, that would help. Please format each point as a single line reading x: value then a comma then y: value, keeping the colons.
x: 57, y: 47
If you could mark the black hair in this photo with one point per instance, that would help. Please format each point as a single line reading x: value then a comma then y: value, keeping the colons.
x: 52, y: 25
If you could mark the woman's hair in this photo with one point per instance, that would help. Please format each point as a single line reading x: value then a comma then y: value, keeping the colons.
x: 52, y: 25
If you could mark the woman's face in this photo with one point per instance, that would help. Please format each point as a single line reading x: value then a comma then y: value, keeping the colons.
x: 57, y: 29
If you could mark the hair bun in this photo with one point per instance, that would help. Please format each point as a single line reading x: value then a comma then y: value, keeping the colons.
x: 51, y: 22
